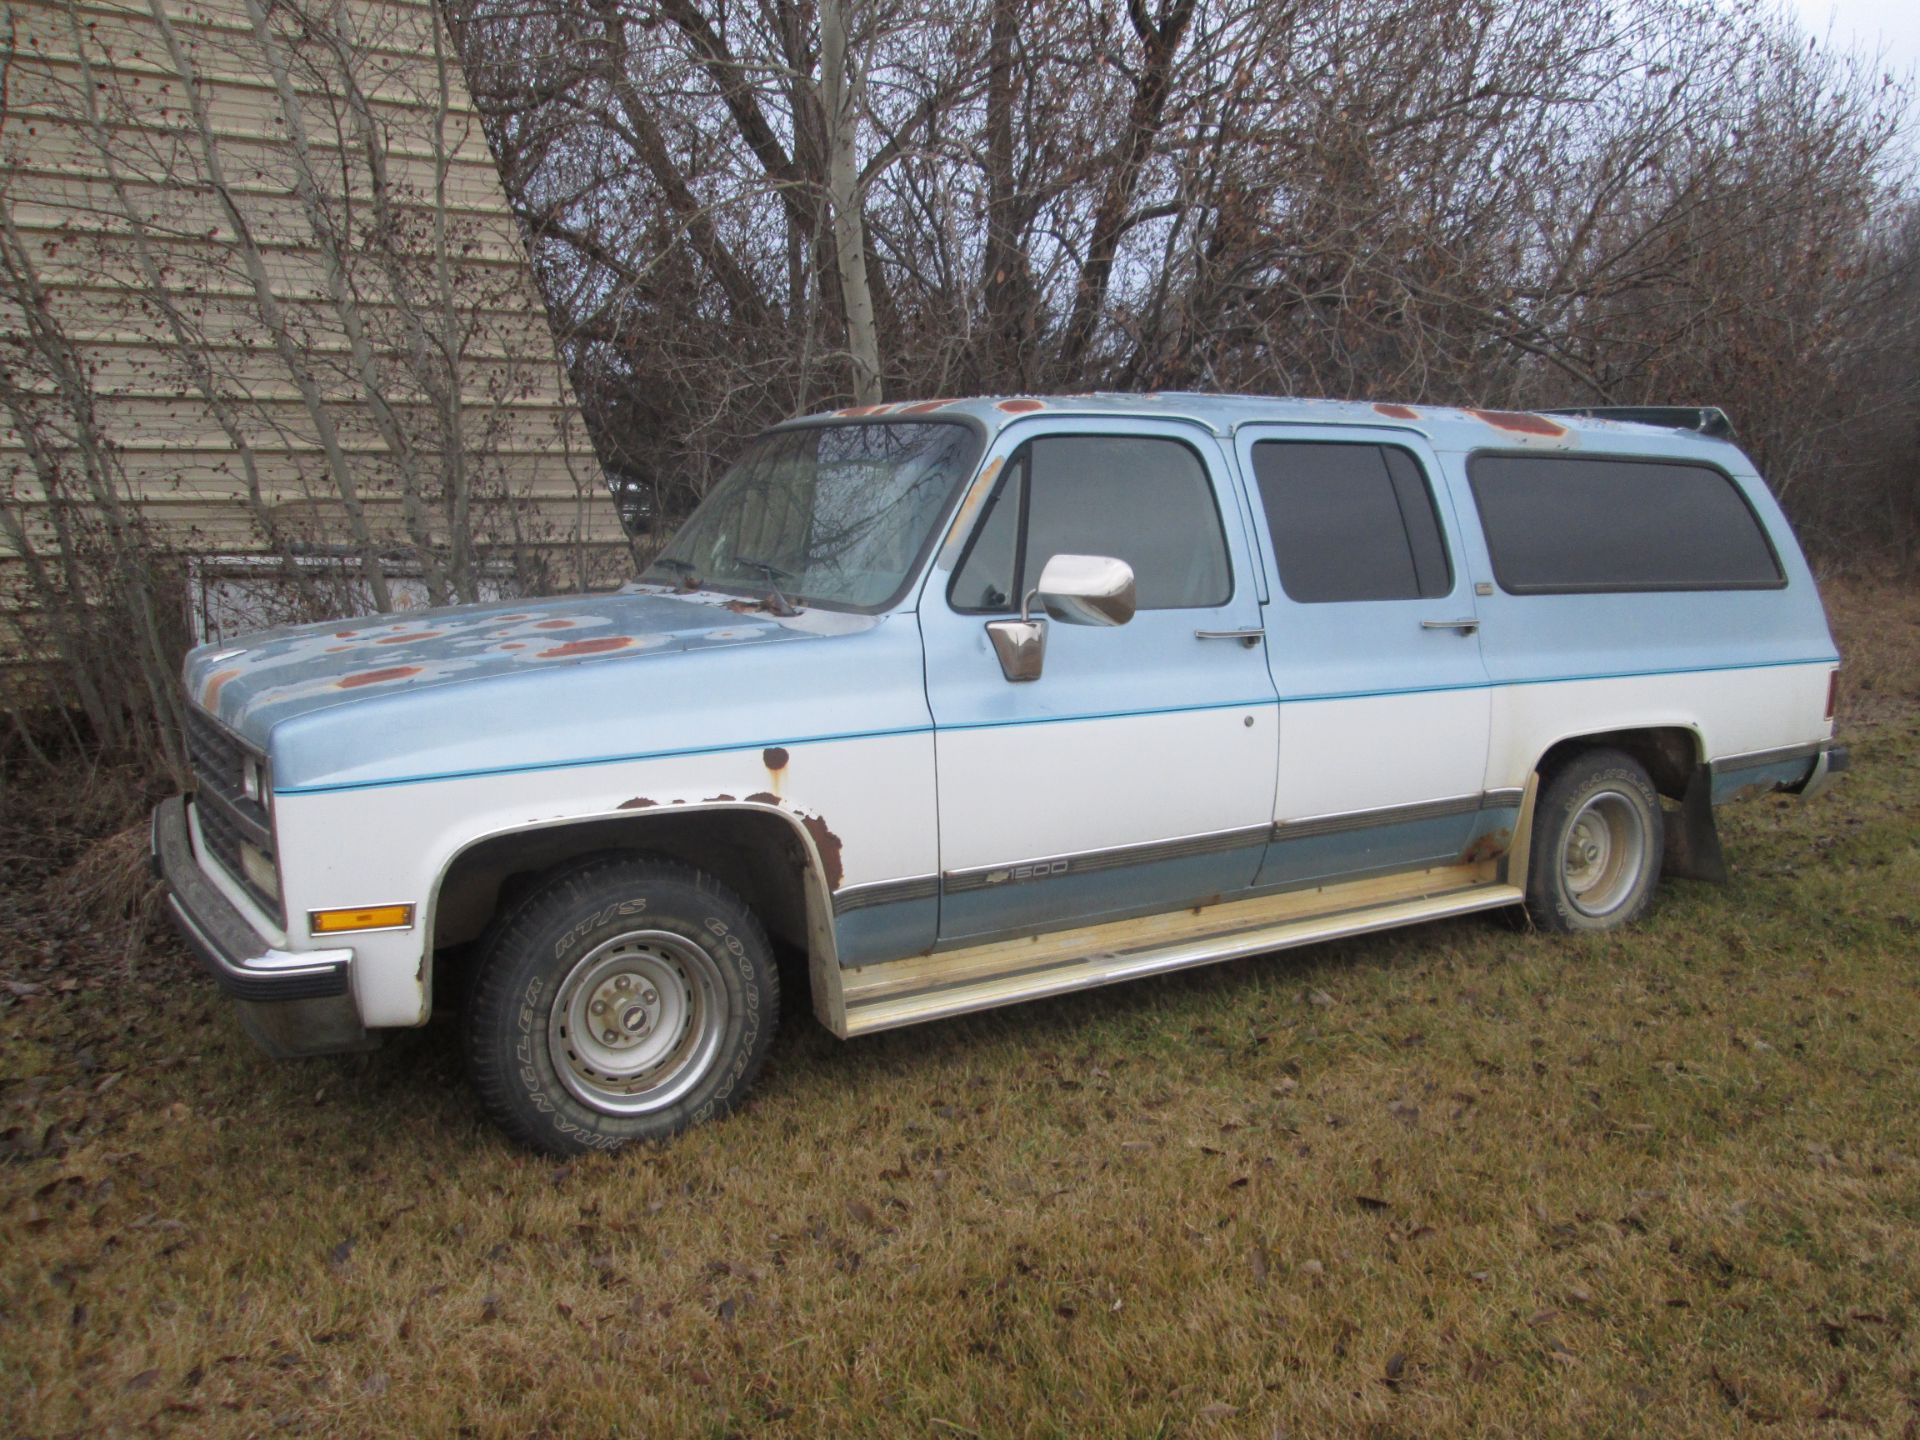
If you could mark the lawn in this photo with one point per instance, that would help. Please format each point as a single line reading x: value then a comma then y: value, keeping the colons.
x: 1457, y: 1180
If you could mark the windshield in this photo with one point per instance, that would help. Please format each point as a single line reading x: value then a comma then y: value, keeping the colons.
x: 833, y: 515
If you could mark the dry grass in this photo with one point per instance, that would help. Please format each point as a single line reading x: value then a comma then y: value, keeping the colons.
x: 1454, y: 1181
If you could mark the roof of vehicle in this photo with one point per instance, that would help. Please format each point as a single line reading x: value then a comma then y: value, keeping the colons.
x: 1445, y: 427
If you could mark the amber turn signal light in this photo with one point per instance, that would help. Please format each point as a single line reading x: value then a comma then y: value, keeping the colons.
x: 374, y: 917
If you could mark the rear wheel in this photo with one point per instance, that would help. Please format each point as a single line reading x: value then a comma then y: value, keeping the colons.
x: 625, y: 1000
x: 1598, y: 835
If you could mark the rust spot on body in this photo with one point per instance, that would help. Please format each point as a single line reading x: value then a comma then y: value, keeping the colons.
x: 774, y: 757
x: 599, y: 645
x: 712, y: 799
x: 855, y: 412
x: 1398, y: 412
x: 409, y: 639
x: 828, y: 845
x: 346, y: 635
x: 638, y: 802
x: 376, y: 677
x: 924, y: 407
x: 1490, y: 846
x: 1021, y: 407
x: 1519, y: 422
x: 216, y: 682
x: 512, y: 645
x: 554, y: 625
x: 763, y: 797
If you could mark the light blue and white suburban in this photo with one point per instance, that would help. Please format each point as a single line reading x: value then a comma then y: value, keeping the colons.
x: 959, y: 703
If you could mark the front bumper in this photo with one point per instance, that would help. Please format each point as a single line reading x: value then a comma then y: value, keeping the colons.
x: 292, y: 1004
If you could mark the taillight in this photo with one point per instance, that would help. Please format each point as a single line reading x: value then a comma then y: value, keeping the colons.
x: 1833, y: 692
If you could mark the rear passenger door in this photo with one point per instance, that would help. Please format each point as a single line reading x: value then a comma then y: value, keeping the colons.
x: 1135, y: 774
x: 1374, y: 645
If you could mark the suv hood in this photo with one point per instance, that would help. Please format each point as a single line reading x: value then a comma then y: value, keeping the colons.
x: 256, y: 682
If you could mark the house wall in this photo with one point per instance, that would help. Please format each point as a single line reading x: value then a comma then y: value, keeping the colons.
x: 261, y: 295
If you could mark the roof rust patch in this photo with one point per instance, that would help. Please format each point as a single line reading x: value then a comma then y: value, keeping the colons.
x: 763, y: 797
x: 1021, y: 407
x: 1398, y: 412
x: 855, y: 412
x: 409, y: 639
x: 775, y: 757
x: 376, y: 677
x: 1519, y: 422
x: 554, y: 625
x: 345, y: 634
x: 924, y: 407
x: 599, y: 645
x: 638, y: 802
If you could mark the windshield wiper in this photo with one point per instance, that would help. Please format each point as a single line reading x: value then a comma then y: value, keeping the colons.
x: 781, y: 605
x: 688, y: 580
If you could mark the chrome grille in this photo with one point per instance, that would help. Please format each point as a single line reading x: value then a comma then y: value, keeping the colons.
x: 215, y: 753
x: 227, y: 818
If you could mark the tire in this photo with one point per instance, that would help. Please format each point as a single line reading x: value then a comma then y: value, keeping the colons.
x: 1598, y: 837
x: 624, y: 1000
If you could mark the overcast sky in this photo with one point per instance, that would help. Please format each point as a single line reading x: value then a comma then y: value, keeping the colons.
x: 1891, y: 27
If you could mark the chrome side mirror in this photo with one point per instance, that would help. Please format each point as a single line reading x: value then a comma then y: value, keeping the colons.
x: 1076, y: 590
x: 1086, y: 590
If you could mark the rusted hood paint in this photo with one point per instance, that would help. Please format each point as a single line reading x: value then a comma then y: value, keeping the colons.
x: 256, y: 682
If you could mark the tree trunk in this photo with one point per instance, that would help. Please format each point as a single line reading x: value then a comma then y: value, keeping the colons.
x: 838, y: 85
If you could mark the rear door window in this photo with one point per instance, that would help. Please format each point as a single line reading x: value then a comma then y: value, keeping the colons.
x: 1558, y: 524
x: 1351, y: 522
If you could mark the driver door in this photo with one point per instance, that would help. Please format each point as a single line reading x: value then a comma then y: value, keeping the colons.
x: 1136, y: 773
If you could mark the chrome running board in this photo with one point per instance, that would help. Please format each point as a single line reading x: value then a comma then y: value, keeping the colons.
x: 956, y: 982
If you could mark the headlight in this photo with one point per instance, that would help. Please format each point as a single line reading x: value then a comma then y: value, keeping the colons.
x: 251, y: 781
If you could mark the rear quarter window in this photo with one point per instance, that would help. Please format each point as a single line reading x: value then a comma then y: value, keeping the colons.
x: 1562, y: 524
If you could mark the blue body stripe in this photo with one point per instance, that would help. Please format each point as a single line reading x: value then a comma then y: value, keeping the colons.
x: 1042, y: 720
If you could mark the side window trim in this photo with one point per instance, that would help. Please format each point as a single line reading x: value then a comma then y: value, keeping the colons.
x: 1019, y: 463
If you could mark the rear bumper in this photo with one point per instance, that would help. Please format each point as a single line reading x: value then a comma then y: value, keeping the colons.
x: 291, y: 1003
x: 1834, y: 760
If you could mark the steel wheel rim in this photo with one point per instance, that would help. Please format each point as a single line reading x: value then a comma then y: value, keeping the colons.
x: 1605, y: 852
x: 637, y: 1022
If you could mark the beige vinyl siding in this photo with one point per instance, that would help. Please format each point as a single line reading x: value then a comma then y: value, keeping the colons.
x: 357, y: 290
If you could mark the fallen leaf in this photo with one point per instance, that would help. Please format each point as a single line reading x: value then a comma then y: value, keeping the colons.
x: 1219, y: 1410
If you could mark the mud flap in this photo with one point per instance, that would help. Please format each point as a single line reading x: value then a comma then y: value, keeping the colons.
x: 1693, y: 843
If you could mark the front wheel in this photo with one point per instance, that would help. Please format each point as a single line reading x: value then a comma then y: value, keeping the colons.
x: 1598, y: 836
x: 625, y: 1001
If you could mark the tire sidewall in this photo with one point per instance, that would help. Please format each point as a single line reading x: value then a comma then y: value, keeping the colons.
x: 1548, y: 900
x: 540, y: 947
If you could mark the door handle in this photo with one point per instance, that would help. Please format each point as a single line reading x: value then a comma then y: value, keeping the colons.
x: 1466, y: 625
x: 1248, y: 638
